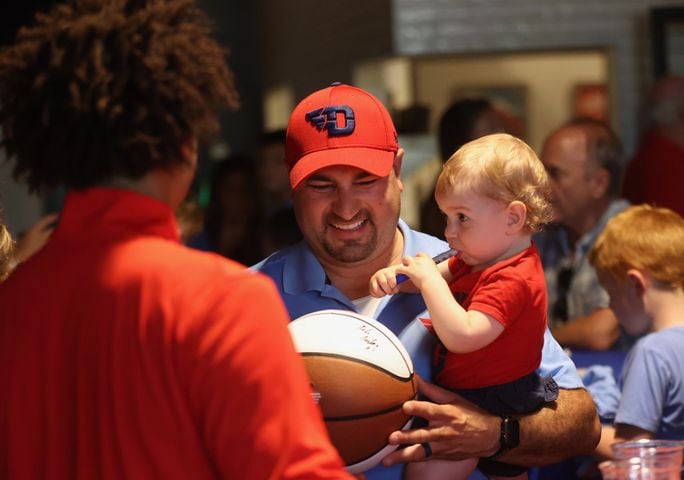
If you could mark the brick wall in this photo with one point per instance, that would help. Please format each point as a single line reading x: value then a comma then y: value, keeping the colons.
x: 428, y: 27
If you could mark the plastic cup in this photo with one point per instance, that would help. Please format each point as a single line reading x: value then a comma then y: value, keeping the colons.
x: 608, y: 470
x: 635, y: 469
x: 663, y: 452
x: 645, y: 460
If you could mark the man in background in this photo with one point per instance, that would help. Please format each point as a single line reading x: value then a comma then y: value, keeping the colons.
x: 464, y: 120
x: 279, y: 227
x: 584, y: 161
x: 274, y: 184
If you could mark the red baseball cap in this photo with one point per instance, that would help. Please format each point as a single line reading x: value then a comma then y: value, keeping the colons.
x: 339, y: 125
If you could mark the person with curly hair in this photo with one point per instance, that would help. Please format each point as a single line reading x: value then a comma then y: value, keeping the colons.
x: 125, y: 354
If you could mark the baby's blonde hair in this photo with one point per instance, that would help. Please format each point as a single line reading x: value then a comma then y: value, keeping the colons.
x: 6, y: 251
x: 645, y: 238
x: 503, y: 168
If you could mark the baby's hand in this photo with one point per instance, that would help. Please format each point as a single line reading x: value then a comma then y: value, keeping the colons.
x: 384, y: 282
x: 420, y: 269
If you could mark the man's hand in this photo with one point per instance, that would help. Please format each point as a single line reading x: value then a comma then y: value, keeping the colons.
x: 457, y: 429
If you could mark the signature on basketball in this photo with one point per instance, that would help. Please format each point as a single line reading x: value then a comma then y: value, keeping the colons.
x: 315, y: 394
x: 369, y: 337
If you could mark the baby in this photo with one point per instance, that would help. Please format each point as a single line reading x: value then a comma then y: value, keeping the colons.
x: 488, y: 304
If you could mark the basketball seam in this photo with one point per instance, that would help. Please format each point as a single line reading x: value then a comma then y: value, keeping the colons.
x: 357, y: 461
x: 358, y: 360
x: 364, y: 415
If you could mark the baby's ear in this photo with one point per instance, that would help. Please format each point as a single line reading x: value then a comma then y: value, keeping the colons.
x: 516, y: 216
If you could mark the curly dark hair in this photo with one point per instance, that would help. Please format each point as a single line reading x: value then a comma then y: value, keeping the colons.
x: 104, y: 88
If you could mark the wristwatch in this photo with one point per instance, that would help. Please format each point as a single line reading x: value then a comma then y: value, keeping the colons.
x: 510, y: 436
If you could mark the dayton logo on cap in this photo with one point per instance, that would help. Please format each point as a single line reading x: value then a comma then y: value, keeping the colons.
x: 339, y: 125
x: 326, y: 118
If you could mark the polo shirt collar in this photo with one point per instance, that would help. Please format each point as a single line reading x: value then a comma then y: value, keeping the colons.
x: 302, y: 271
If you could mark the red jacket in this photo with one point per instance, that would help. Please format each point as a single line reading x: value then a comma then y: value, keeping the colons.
x: 656, y: 174
x: 124, y: 355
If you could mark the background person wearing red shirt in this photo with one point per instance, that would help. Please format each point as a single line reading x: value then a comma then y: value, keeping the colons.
x: 654, y: 175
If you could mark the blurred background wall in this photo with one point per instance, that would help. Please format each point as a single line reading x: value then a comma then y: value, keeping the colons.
x: 543, y: 61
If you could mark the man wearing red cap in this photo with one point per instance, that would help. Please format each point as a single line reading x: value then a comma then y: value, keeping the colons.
x: 345, y: 165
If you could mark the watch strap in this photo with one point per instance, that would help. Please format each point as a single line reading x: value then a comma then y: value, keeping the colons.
x: 509, y: 436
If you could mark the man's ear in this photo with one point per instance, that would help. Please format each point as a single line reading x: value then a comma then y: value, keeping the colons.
x: 398, y: 159
x: 516, y: 216
x: 601, y: 182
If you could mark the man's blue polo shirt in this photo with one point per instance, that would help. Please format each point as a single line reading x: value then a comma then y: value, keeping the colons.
x: 304, y: 288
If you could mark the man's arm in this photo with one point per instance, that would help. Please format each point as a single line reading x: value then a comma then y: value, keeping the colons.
x: 570, y: 426
x: 618, y: 433
x: 597, y: 331
x: 458, y: 429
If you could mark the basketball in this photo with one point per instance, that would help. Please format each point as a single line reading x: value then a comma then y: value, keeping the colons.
x: 360, y: 376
